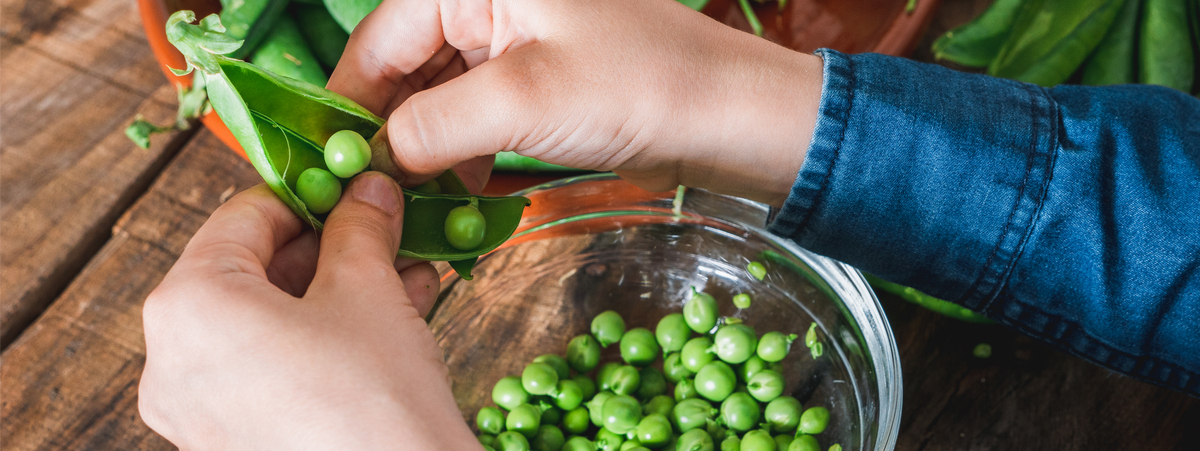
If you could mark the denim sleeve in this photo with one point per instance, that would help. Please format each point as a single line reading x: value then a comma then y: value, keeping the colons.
x: 1071, y: 214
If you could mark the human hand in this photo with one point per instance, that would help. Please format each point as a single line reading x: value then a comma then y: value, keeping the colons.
x: 650, y: 89
x: 264, y: 336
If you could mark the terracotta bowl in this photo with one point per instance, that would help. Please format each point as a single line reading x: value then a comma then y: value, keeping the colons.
x: 853, y: 26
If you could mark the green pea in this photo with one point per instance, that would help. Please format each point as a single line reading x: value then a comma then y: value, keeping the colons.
x: 766, y: 385
x: 318, y: 189
x: 672, y: 332
x: 783, y: 441
x: 347, y: 154
x: 488, y: 448
x: 741, y: 300
x: 654, y: 430
x: 558, y: 363
x: 464, y: 227
x: 639, y: 347
x: 715, y: 381
x: 755, y: 364
x: 608, y: 327
x: 508, y: 393
x: 490, y: 420
x: 579, y: 444
x: 758, y: 440
x: 661, y: 404
x: 576, y: 420
x: 609, y: 441
x: 653, y: 383
x: 525, y: 419
x: 731, y: 443
x: 596, y: 407
x: 835, y: 447
x: 735, y: 343
x: 696, y: 353
x: 674, y: 370
x: 511, y: 441
x: 804, y: 442
x: 982, y: 350
x: 695, y: 440
x: 633, y: 445
x: 740, y: 412
x: 783, y: 414
x: 814, y: 420
x: 774, y: 346
x: 700, y: 312
x: 547, y: 438
x: 430, y: 187
x: 583, y: 353
x: 551, y: 415
x: 625, y: 380
x: 539, y: 378
x: 567, y: 394
x: 686, y: 389
x: 692, y: 413
x: 621, y: 414
x: 757, y: 270
x: 587, y: 387
x: 487, y: 439
x: 716, y: 431
x: 605, y: 374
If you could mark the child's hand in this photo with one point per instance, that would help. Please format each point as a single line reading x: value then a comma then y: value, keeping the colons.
x: 659, y: 93
x: 263, y: 336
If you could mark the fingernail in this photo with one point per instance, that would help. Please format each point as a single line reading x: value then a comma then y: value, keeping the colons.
x: 378, y: 190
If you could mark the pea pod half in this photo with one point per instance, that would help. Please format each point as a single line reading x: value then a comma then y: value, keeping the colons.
x: 283, y: 125
x: 1113, y: 62
x: 349, y: 13
x: 1165, y: 50
x: 1051, y: 38
x: 977, y: 43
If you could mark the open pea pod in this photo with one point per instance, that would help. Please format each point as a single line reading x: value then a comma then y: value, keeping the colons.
x: 283, y: 125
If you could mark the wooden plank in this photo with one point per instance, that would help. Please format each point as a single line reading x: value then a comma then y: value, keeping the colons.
x: 75, y: 74
x: 70, y: 381
x: 1027, y: 395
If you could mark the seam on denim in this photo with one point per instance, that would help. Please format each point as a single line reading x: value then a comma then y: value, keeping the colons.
x: 1140, y: 367
x: 983, y: 290
x: 837, y: 150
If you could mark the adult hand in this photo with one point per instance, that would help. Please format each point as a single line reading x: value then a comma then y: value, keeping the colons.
x: 659, y: 93
x: 263, y: 336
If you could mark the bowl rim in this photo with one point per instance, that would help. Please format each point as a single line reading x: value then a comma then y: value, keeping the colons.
x: 844, y: 279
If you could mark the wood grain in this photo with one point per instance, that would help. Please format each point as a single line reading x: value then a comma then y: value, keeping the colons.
x: 70, y: 381
x: 75, y: 74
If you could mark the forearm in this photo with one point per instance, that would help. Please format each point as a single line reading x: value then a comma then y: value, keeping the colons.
x: 1069, y: 213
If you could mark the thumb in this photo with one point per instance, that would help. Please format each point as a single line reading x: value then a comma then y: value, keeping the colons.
x: 361, y: 237
x: 494, y: 107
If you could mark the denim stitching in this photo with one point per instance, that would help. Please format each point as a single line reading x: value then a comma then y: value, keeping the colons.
x: 821, y: 193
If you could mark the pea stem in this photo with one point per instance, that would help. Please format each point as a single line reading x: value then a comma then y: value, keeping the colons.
x: 751, y: 17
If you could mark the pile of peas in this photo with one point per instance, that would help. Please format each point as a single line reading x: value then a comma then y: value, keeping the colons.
x: 728, y: 391
x: 346, y: 155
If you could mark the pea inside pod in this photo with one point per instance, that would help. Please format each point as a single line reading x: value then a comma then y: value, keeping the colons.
x: 283, y: 125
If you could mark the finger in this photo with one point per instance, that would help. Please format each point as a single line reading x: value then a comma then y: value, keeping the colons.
x: 421, y: 283
x: 295, y: 263
x: 494, y: 107
x: 361, y: 237
x: 398, y: 38
x: 242, y: 235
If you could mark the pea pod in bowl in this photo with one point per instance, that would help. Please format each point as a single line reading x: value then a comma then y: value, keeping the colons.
x: 283, y: 125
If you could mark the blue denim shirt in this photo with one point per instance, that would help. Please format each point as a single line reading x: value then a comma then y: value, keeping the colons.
x: 1071, y: 214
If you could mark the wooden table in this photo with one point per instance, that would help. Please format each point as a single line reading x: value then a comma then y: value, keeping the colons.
x: 91, y: 223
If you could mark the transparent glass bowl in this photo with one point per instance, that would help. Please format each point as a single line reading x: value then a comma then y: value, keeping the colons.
x: 595, y: 243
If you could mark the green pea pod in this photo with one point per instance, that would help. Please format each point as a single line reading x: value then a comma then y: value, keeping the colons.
x: 349, y: 13
x: 977, y: 43
x: 309, y: 2
x: 282, y: 124
x: 250, y: 21
x: 943, y: 307
x: 325, y: 37
x: 1165, y: 52
x: 1051, y: 38
x: 285, y: 53
x: 700, y: 4
x: 1113, y: 62
x: 510, y: 161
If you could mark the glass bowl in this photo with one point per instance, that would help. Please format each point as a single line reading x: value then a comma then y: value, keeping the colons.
x: 595, y: 243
